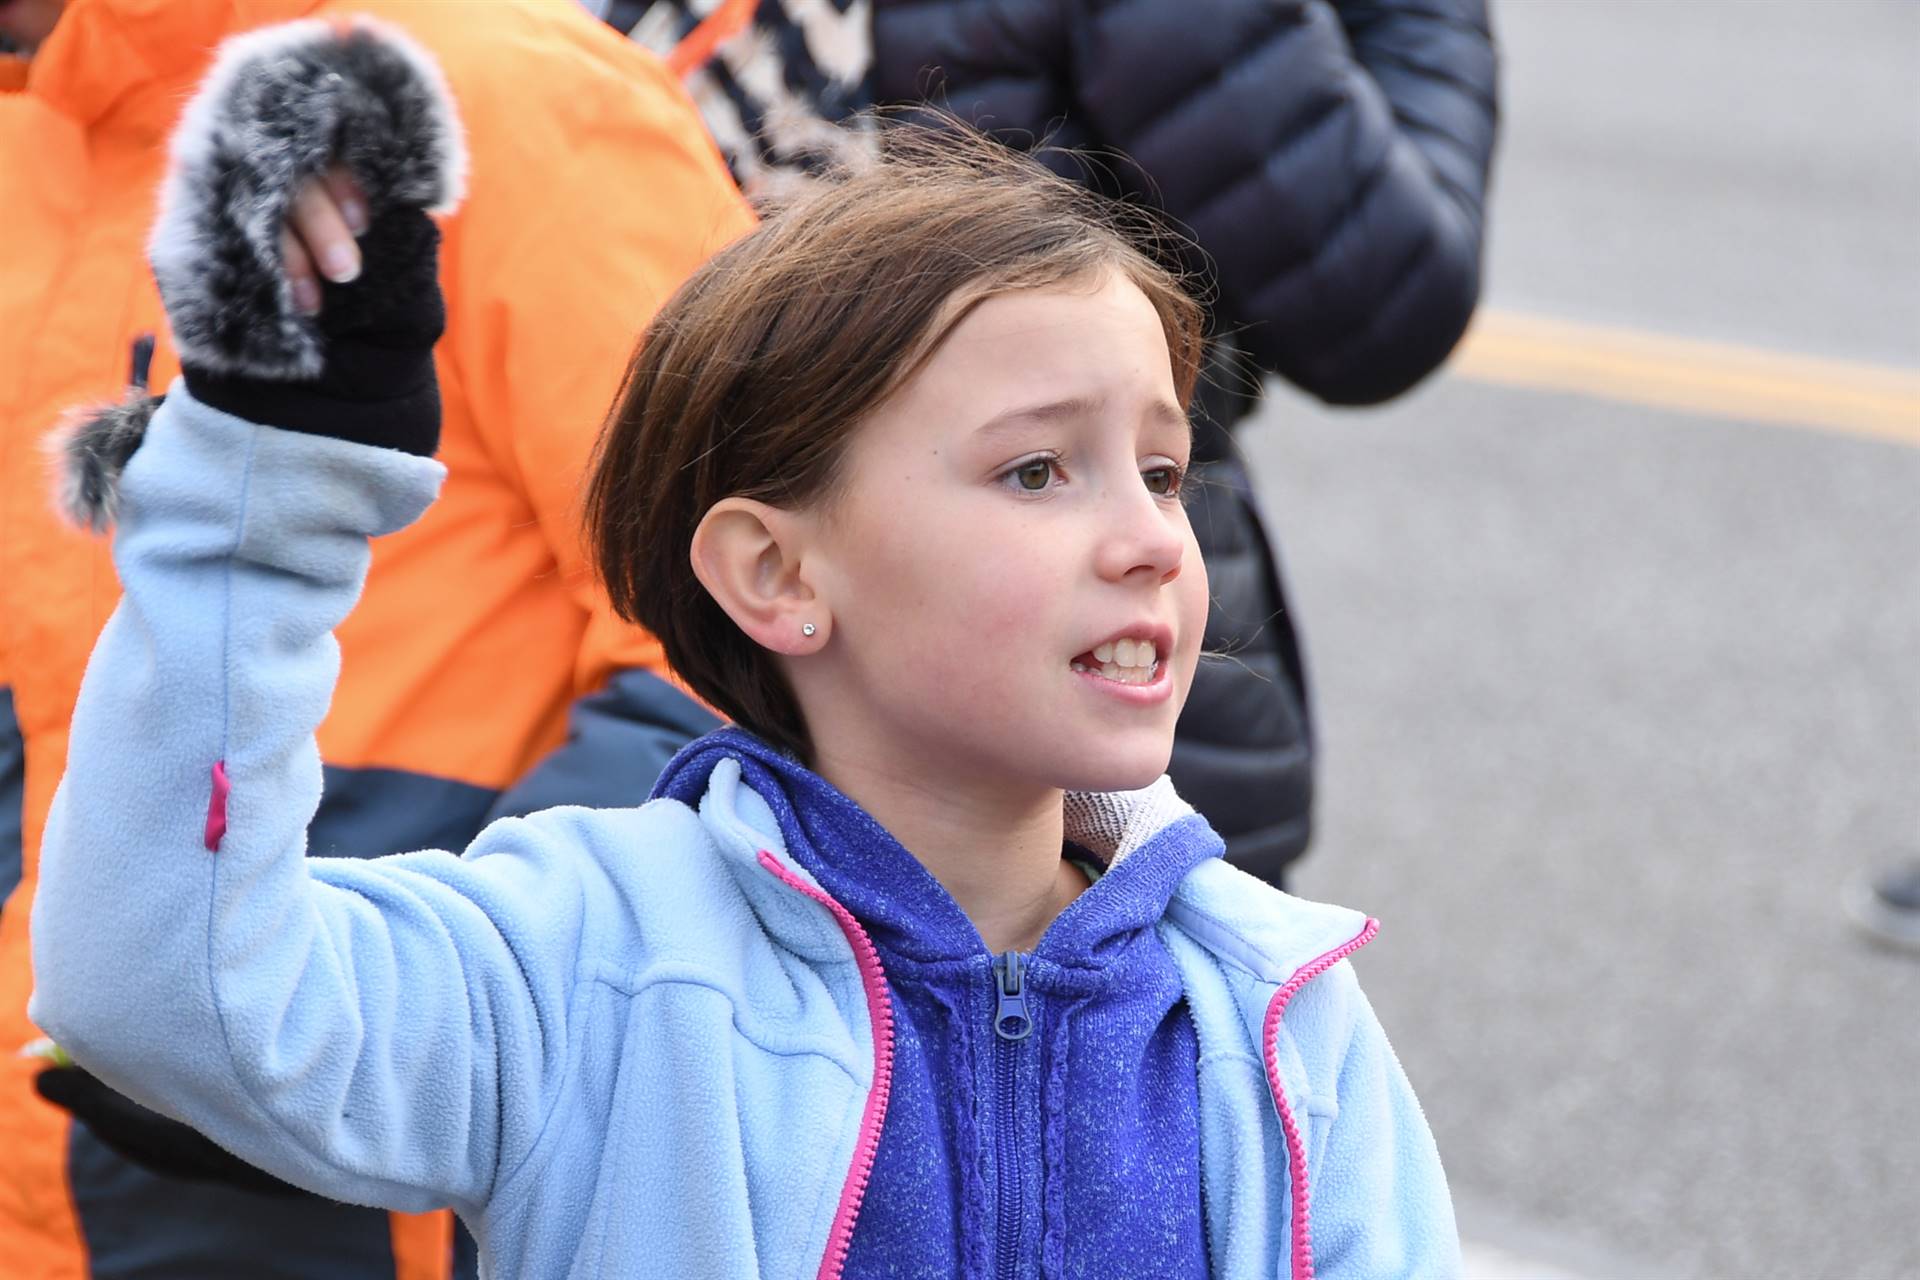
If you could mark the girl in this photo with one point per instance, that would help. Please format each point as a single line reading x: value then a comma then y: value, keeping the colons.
x: 922, y: 969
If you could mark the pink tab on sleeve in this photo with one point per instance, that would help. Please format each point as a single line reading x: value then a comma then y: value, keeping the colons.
x: 217, y: 807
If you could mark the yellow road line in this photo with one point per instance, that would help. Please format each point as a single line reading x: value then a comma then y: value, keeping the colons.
x: 1692, y: 376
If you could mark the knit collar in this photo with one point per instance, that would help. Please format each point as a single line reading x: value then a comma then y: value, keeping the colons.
x: 1147, y: 840
x: 129, y: 64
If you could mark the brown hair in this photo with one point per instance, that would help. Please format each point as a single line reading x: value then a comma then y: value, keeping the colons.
x: 752, y: 379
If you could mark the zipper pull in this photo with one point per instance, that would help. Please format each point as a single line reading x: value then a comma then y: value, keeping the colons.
x: 1011, y: 1021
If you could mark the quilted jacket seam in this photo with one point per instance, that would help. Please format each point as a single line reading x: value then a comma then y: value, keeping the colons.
x: 1405, y: 274
x: 1297, y: 135
x: 1440, y: 76
x: 1358, y: 17
x: 1200, y: 89
x: 1324, y: 242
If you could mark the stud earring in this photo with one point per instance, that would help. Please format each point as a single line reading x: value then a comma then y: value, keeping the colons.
x: 807, y: 628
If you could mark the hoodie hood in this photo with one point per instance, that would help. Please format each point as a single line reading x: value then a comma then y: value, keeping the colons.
x: 1147, y: 841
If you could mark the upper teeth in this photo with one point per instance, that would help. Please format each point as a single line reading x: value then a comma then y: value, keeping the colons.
x: 1127, y: 653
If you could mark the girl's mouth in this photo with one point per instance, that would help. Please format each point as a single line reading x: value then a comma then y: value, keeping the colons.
x: 1123, y: 661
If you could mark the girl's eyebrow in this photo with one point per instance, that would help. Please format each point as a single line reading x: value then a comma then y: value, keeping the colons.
x: 1163, y: 412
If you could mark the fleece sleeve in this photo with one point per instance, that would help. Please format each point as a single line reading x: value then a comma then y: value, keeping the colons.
x: 382, y: 1031
x: 1379, y: 1197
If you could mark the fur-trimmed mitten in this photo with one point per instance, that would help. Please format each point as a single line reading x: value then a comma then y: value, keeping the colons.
x: 279, y: 106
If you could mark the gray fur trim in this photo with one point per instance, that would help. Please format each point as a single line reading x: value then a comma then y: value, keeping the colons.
x: 279, y: 105
x: 88, y: 451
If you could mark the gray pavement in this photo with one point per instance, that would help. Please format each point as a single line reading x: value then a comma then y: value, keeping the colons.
x: 1613, y: 700
x: 1737, y: 169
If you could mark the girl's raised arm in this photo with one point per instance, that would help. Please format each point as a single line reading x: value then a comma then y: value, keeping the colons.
x: 385, y: 1031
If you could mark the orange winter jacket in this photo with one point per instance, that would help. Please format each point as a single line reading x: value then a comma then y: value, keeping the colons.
x: 594, y: 191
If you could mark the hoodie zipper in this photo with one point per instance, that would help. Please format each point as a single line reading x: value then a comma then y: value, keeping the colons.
x: 1302, y: 1215
x: 1012, y: 1023
x: 873, y: 978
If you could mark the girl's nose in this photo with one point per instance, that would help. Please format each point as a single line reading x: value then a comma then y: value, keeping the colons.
x: 1144, y: 537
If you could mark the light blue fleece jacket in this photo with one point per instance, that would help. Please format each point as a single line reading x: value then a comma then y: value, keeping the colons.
x: 627, y: 1042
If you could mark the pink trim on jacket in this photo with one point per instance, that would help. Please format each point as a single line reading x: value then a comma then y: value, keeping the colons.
x: 880, y: 1013
x: 1297, y: 1149
x: 217, y: 807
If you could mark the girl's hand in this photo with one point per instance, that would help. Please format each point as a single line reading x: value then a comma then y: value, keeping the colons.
x: 327, y: 213
x: 347, y: 257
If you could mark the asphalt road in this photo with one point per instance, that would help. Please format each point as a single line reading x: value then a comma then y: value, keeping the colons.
x: 1615, y: 698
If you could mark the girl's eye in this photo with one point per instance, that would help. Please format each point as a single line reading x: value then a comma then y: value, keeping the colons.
x: 1035, y: 474
x: 1163, y: 482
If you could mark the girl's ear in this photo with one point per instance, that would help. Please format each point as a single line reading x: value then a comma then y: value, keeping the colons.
x: 748, y: 556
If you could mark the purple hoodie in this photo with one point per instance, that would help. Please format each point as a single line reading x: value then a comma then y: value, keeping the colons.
x: 1043, y: 1114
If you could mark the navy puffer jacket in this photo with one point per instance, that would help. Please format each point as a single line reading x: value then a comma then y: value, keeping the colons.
x: 1330, y: 158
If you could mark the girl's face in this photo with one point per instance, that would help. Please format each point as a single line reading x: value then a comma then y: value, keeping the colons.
x: 1015, y: 592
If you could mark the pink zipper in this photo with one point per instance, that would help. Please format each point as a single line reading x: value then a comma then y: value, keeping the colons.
x: 880, y: 1013
x: 1296, y: 1149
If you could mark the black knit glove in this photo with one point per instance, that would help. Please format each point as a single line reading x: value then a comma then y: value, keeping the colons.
x: 281, y: 106
x: 149, y: 1139
x: 376, y: 385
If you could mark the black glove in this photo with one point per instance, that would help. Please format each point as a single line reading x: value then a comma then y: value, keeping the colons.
x: 308, y: 96
x: 362, y: 370
x: 377, y: 384
x: 149, y: 1139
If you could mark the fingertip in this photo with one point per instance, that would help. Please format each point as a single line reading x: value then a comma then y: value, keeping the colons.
x: 350, y: 198
x: 342, y: 262
x: 317, y: 221
x: 305, y: 289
